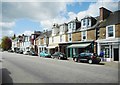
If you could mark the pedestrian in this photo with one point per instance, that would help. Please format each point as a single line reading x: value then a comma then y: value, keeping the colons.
x: 101, y: 54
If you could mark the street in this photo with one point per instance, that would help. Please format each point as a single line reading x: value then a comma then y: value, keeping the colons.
x: 19, y: 68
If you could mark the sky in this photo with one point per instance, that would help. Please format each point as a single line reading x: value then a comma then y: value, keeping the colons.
x: 24, y: 17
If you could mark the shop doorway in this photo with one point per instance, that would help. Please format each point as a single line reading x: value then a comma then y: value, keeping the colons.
x: 116, y: 54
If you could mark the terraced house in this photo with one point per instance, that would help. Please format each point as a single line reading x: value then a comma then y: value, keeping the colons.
x: 90, y: 34
x: 109, y: 34
x: 42, y: 41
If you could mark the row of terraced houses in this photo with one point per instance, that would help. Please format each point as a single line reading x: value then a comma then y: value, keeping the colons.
x: 91, y: 34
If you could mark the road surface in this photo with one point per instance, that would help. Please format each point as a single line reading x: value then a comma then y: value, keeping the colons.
x: 19, y: 68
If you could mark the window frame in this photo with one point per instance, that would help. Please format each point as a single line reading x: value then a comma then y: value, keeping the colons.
x: 85, y: 35
x: 70, y: 36
x: 113, y: 27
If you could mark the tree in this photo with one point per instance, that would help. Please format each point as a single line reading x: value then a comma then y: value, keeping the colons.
x: 6, y: 43
x: 13, y: 37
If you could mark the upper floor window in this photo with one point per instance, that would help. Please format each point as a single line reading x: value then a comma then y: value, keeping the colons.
x: 83, y: 22
x: 39, y: 41
x: 44, y: 40
x: 84, y: 35
x: 73, y: 25
x: 60, y: 38
x: 88, y: 22
x: 70, y: 25
x: 70, y: 37
x: 110, y: 31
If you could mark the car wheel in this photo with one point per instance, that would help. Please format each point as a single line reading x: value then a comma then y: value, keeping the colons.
x: 59, y: 58
x: 90, y: 61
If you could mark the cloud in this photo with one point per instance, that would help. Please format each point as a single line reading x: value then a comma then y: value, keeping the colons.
x: 7, y: 24
x: 33, y: 10
x: 6, y: 28
x: 47, y: 12
x: 27, y: 32
x: 93, y: 9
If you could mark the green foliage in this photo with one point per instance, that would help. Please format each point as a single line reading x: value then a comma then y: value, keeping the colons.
x: 6, y: 43
x: 14, y: 37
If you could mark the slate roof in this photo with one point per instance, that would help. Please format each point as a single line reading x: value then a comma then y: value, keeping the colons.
x: 113, y: 18
x: 47, y: 34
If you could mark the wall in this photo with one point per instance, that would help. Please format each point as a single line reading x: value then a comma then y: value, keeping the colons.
x: 76, y: 36
x: 117, y: 31
x: 102, y: 33
x: 91, y: 34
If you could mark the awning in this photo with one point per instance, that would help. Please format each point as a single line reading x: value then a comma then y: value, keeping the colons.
x: 83, y: 45
x: 49, y: 47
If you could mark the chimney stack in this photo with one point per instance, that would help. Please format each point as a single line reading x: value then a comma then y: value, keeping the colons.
x: 104, y: 13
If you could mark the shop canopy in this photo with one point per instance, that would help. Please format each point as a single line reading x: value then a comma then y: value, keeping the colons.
x: 50, y: 47
x: 82, y: 45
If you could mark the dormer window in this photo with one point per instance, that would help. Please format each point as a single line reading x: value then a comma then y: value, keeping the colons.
x: 88, y: 22
x: 83, y: 22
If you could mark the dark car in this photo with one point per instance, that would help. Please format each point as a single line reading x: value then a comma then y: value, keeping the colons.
x: 17, y: 51
x: 59, y: 55
x: 88, y: 57
x: 33, y: 53
x: 20, y: 52
x: 10, y: 51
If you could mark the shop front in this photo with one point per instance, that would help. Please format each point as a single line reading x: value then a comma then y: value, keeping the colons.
x: 111, y: 50
x: 52, y: 49
x: 77, y: 48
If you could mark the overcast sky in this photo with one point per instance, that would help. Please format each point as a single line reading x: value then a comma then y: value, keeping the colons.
x: 29, y: 15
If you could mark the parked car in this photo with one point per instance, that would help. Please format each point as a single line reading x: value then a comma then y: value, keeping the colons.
x: 20, y: 51
x: 26, y: 52
x: 45, y: 54
x: 59, y: 55
x: 88, y: 57
x: 33, y: 53
x: 10, y: 51
x: 17, y: 51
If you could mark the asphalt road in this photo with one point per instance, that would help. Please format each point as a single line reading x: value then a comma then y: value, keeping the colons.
x: 19, y: 68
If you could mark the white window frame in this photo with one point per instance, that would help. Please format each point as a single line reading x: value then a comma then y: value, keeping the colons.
x: 85, y: 35
x: 60, y: 38
x: 69, y: 37
x: 44, y: 40
x: 84, y: 22
x: 113, y: 31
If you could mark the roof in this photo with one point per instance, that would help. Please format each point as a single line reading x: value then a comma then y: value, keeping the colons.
x: 111, y: 20
x: 43, y: 34
x: 74, y: 20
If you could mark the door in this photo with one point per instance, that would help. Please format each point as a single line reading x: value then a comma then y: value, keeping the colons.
x: 116, y: 54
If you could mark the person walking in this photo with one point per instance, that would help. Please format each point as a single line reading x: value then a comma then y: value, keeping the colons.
x: 101, y: 54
